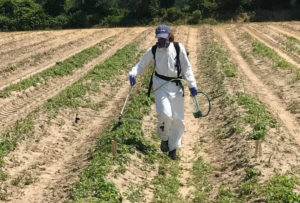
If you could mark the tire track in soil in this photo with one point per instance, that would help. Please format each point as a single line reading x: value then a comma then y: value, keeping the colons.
x: 59, y: 53
x: 265, y: 94
x: 12, y: 57
x: 283, y: 31
x: 19, y: 107
x: 61, y: 152
x: 271, y: 44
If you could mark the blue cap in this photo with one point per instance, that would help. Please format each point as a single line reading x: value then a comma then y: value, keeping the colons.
x: 162, y: 31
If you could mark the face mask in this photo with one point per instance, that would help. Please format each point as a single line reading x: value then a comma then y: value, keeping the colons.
x: 162, y: 43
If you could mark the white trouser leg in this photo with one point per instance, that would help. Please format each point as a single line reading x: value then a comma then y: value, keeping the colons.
x: 177, y: 129
x: 170, y: 118
x: 164, y: 114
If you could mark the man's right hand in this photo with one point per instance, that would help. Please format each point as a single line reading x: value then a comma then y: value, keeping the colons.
x: 132, y: 80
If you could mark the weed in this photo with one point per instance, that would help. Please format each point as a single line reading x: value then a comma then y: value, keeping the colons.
x: 293, y: 44
x: 294, y: 107
x: 226, y: 194
x: 251, y: 173
x: 8, y: 69
x: 121, y: 169
x: 9, y: 139
x: 3, y: 175
x: 135, y: 193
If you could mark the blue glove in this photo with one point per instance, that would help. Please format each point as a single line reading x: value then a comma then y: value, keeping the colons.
x: 132, y: 80
x: 194, y: 91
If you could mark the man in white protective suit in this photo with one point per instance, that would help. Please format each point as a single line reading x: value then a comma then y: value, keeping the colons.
x: 171, y: 66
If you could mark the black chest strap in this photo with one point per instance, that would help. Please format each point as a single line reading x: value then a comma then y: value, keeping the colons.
x: 177, y: 65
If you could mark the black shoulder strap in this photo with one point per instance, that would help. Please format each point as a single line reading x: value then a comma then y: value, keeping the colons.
x: 154, y: 51
x: 176, y: 45
x: 151, y: 79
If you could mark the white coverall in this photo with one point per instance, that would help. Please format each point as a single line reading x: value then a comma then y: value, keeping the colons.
x: 169, y: 98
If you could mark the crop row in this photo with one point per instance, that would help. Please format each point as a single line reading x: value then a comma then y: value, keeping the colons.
x: 59, y: 70
x: 241, y: 111
x: 93, y: 184
x: 70, y: 97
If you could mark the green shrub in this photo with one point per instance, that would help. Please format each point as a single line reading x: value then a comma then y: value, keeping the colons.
x: 196, y: 17
x: 173, y: 14
x: 210, y: 21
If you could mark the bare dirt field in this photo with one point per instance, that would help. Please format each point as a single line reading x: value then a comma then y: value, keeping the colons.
x: 250, y: 71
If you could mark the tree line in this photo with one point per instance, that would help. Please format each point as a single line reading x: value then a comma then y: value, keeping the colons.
x: 57, y: 14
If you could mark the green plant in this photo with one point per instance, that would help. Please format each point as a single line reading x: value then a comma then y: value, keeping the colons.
x: 293, y: 44
x: 265, y: 51
x: 129, y: 138
x: 10, y: 138
x: 256, y: 116
x: 201, y: 172
x: 280, y: 189
x: 135, y: 193
x: 73, y: 95
x: 226, y: 195
x: 166, y: 182
x: 294, y: 107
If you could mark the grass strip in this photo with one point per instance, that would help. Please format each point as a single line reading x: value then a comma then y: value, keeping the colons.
x: 166, y: 183
x: 68, y: 98
x: 73, y: 96
x: 263, y: 50
x: 93, y: 185
x: 216, y: 58
x: 10, y: 138
x: 59, y: 70
x: 201, y: 172
x: 256, y: 115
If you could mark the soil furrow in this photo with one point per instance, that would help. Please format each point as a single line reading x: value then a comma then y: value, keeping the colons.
x: 192, y: 132
x: 276, y: 39
x: 34, y: 40
x: 13, y: 57
x: 50, y: 57
x: 15, y: 36
x: 266, y: 95
x: 282, y: 31
x: 60, y: 153
x: 271, y: 44
x: 36, y: 98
